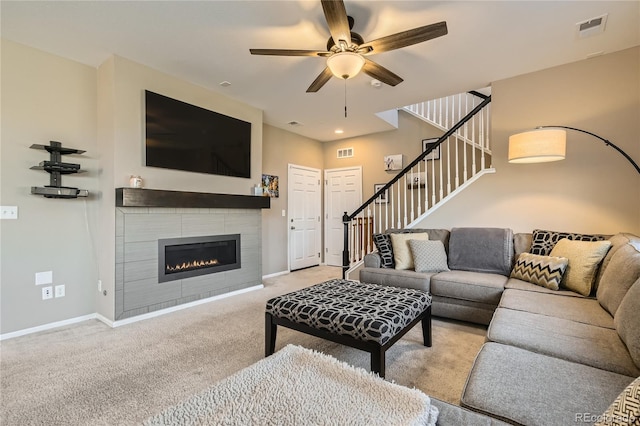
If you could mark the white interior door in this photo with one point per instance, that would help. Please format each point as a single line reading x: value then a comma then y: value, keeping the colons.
x: 304, y: 217
x: 343, y: 193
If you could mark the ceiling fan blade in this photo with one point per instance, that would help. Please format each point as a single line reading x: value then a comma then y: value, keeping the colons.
x: 379, y: 72
x: 404, y: 38
x: 320, y: 80
x: 336, y: 16
x: 288, y: 52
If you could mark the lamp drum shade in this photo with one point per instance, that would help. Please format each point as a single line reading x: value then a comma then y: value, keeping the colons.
x: 345, y: 65
x: 537, y: 146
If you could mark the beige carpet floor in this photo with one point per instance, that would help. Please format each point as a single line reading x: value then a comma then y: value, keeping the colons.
x: 91, y: 374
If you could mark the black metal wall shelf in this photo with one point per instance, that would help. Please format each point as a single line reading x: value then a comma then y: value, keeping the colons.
x: 56, y: 168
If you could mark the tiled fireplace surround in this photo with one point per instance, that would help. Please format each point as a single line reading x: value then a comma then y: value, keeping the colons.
x: 140, y: 222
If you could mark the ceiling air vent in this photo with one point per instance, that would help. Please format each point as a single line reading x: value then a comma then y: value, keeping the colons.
x: 345, y: 152
x: 591, y: 27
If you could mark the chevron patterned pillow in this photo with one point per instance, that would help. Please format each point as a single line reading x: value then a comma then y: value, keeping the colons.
x: 545, y: 271
x: 625, y: 410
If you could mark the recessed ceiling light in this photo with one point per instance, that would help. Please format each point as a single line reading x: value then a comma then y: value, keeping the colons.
x: 339, y: 131
x: 225, y: 84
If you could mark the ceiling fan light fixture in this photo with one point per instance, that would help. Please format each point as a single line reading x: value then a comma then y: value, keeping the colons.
x: 345, y: 65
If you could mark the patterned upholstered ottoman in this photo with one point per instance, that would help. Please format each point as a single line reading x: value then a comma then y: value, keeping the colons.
x: 369, y: 317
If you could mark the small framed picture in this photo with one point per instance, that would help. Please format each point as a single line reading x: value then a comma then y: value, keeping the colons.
x: 417, y: 180
x: 270, y: 187
x: 384, y: 197
x: 393, y: 162
x: 435, y: 154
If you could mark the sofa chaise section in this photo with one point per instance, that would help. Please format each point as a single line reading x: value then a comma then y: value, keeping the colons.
x: 529, y: 388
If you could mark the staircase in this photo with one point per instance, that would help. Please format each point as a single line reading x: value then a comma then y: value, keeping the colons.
x: 446, y: 166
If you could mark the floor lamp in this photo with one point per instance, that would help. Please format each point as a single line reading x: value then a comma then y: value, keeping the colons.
x: 548, y: 143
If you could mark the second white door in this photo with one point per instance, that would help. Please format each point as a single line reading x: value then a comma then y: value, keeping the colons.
x: 343, y: 193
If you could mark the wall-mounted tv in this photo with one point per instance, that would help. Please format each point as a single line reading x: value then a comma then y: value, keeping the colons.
x: 181, y: 136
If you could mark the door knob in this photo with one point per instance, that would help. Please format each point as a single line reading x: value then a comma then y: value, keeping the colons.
x: 293, y: 227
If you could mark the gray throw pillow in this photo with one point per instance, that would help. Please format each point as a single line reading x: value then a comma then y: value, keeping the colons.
x: 428, y: 256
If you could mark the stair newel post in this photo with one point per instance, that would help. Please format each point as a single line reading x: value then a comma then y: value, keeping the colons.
x: 345, y: 251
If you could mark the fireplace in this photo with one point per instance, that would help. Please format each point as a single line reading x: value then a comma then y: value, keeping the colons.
x: 186, y: 257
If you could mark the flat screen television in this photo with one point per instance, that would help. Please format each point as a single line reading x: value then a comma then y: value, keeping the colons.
x: 181, y: 136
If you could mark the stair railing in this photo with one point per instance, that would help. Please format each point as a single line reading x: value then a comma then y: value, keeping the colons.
x: 463, y: 152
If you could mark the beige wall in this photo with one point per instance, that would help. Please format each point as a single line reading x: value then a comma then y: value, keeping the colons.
x: 281, y: 148
x: 594, y: 189
x: 45, y: 98
x: 370, y: 150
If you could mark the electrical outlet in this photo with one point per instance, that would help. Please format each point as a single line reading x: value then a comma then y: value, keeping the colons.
x: 8, y: 212
x: 59, y: 290
x: 47, y: 292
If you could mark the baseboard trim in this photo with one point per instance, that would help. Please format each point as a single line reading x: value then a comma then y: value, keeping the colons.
x: 276, y: 274
x: 160, y: 312
x: 119, y: 323
x: 46, y: 327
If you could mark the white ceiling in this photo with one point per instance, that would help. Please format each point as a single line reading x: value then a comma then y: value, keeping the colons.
x: 207, y: 42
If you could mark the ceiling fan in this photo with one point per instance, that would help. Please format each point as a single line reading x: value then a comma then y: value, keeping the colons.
x: 347, y: 51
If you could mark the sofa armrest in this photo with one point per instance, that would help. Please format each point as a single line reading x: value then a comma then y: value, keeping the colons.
x: 372, y: 260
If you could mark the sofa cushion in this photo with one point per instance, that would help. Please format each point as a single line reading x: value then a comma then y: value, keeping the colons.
x: 577, y: 309
x: 617, y: 241
x: 543, y: 241
x: 463, y: 310
x: 622, y: 271
x: 428, y: 256
x: 488, y: 250
x: 561, y: 338
x: 545, y: 271
x: 521, y: 243
x: 625, y: 410
x: 516, y: 284
x: 453, y: 415
x: 627, y: 321
x: 472, y: 286
x: 584, y: 259
x: 402, y: 257
x: 383, y: 244
x: 533, y: 389
x: 396, y: 278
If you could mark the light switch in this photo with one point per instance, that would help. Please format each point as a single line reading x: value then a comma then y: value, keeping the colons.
x: 44, y: 277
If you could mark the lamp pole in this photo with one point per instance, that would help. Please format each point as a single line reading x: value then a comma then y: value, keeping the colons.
x: 606, y: 141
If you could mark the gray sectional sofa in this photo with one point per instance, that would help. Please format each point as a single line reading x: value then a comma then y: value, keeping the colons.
x: 552, y: 357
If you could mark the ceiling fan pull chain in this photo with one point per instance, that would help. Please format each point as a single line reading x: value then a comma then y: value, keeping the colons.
x: 345, y: 98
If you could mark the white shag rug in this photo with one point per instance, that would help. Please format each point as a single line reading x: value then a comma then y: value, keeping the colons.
x: 298, y: 386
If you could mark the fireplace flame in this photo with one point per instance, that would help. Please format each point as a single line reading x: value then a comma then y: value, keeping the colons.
x: 194, y: 264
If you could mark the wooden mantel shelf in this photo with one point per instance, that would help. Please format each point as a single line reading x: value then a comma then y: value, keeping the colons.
x: 139, y: 197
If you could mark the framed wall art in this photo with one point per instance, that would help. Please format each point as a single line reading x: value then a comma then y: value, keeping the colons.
x: 435, y: 154
x: 384, y: 197
x: 270, y: 186
x: 393, y: 162
x: 417, y: 180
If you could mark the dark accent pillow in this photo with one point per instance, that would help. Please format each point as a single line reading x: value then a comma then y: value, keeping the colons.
x: 543, y: 241
x: 383, y: 244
